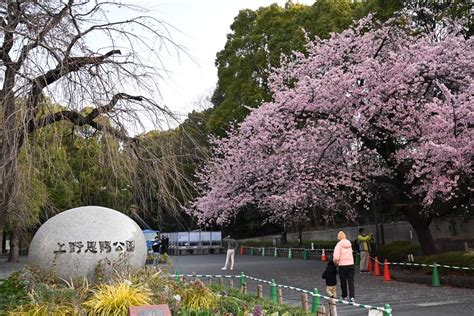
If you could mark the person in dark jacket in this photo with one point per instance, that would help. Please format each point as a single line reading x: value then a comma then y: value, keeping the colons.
x: 165, y: 241
x: 330, y: 275
x: 156, y: 246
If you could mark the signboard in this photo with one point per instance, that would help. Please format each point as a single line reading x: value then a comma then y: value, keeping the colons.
x: 183, y: 239
x: 194, y: 238
x: 216, y: 238
x: 206, y: 238
x: 150, y: 310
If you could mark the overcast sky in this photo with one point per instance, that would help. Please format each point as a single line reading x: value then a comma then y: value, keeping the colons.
x: 203, y: 26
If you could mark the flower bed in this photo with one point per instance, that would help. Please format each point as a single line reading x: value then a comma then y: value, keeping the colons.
x: 28, y: 292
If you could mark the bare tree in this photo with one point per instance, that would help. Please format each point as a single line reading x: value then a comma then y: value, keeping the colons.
x: 76, y: 53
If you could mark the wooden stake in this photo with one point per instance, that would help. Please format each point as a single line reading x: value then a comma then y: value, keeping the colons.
x: 259, y: 291
x: 304, y: 302
x: 221, y: 281
x: 280, y: 295
x: 231, y: 283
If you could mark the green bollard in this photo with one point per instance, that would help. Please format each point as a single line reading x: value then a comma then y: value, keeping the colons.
x: 357, y: 258
x: 289, y: 254
x: 388, y: 310
x: 251, y: 251
x: 273, y: 292
x: 315, y: 304
x: 275, y: 252
x: 263, y: 251
x: 177, y: 276
x: 435, y: 277
x: 305, y: 254
x: 242, y: 279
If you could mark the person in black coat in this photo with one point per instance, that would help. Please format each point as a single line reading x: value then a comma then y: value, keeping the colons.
x: 330, y: 275
x: 156, y: 246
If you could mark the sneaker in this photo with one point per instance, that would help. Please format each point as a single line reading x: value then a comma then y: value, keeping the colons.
x: 352, y: 299
x: 224, y: 268
x: 231, y: 268
x: 344, y: 298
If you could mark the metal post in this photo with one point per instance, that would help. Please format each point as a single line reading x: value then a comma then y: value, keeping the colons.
x: 435, y: 277
x: 273, y: 292
x: 305, y: 254
x: 315, y: 302
x: 388, y: 310
x: 242, y: 279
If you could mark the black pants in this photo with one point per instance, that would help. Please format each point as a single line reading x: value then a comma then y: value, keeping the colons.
x: 346, y: 274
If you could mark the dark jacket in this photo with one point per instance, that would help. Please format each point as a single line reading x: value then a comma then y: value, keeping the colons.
x: 231, y: 243
x: 330, y: 274
x: 156, y: 245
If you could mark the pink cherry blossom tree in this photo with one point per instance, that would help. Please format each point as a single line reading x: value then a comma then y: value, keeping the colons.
x: 379, y: 104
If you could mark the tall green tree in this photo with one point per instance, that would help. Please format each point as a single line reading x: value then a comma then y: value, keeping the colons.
x: 258, y: 41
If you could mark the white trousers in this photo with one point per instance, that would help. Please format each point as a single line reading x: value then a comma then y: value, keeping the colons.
x: 230, y: 255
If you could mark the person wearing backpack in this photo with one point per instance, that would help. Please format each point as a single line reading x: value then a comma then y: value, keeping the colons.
x: 363, y: 243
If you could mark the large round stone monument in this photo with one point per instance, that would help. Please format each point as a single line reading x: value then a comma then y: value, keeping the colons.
x: 77, y: 240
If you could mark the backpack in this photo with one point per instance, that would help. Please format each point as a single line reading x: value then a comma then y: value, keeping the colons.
x: 356, y: 245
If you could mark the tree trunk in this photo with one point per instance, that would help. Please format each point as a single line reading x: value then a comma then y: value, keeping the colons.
x: 300, y: 235
x: 2, y: 227
x: 14, y: 255
x: 421, y: 225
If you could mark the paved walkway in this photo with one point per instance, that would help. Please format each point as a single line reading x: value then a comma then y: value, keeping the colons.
x: 405, y: 298
x: 6, y: 268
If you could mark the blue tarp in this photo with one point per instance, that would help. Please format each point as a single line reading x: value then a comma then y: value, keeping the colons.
x: 150, y: 236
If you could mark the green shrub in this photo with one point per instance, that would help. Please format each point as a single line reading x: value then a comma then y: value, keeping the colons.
x: 253, y: 243
x: 196, y: 296
x: 452, y: 258
x: 397, y: 251
x: 239, y: 304
x: 12, y: 292
x: 318, y: 244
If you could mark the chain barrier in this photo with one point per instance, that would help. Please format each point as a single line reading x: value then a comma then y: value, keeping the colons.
x: 373, y: 258
x: 425, y: 265
x: 387, y: 309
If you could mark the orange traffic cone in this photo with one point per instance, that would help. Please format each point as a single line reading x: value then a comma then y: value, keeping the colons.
x: 370, y: 268
x: 377, y: 267
x: 323, y: 256
x: 386, y: 272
